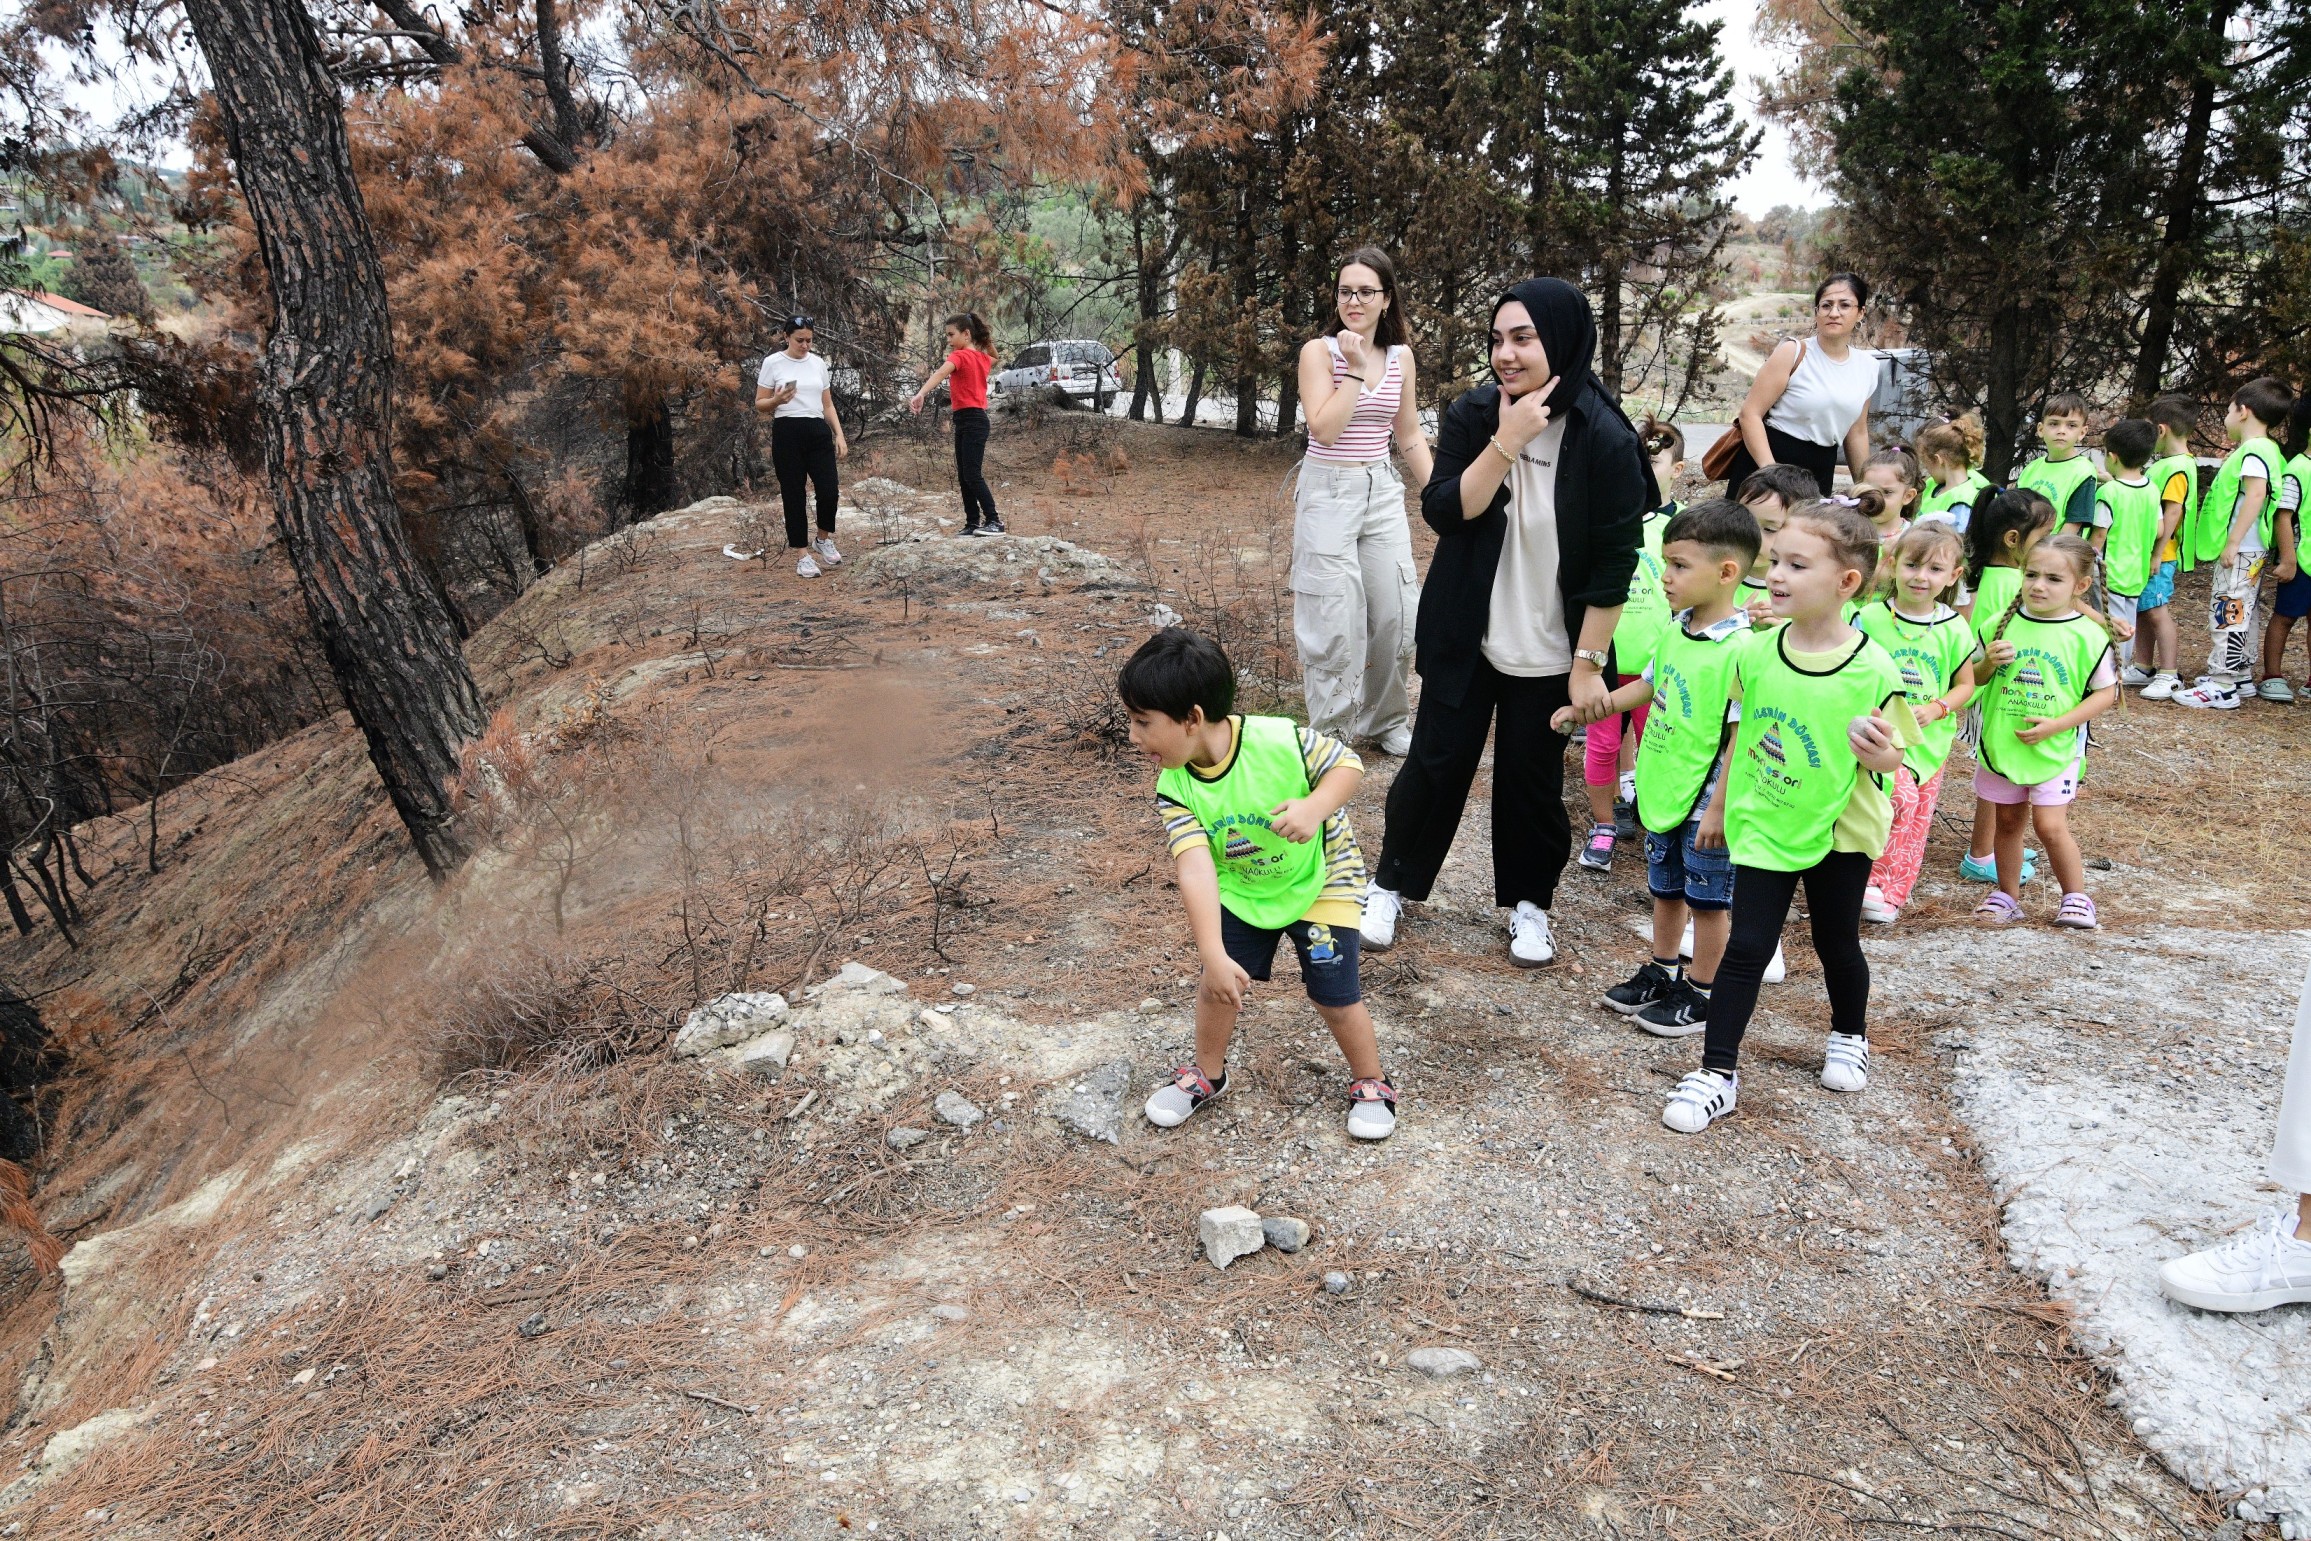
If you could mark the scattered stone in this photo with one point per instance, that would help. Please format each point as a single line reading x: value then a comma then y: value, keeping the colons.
x: 906, y: 1139
x: 1336, y: 1283
x: 950, y: 1313
x: 303, y: 1377
x: 1443, y: 1363
x: 727, y: 1020
x: 1285, y: 1233
x: 2102, y: 864
x: 766, y: 1056
x: 1093, y: 1106
x: 437, y: 1271
x: 954, y: 1108
x: 1229, y: 1233
x: 1151, y: 1006
x: 864, y: 980
x: 379, y: 1203
x: 963, y: 989
x: 798, y: 1251
x: 533, y: 1325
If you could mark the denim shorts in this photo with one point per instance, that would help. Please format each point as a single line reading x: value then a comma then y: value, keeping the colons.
x: 2159, y: 591
x: 1675, y: 868
x: 1327, y: 955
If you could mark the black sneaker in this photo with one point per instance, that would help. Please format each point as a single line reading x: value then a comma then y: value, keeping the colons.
x: 1624, y: 820
x: 1681, y: 1012
x: 1640, y: 989
x: 1597, y: 850
x: 991, y: 527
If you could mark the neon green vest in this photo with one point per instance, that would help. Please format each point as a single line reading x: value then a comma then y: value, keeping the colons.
x: 1928, y: 655
x: 2056, y: 481
x: 2298, y: 471
x: 2130, y: 551
x: 1647, y: 609
x: 1998, y: 588
x: 2052, y: 662
x: 2160, y: 472
x: 1938, y: 500
x: 2221, y: 503
x: 1686, y: 725
x: 1265, y: 880
x: 1792, y: 770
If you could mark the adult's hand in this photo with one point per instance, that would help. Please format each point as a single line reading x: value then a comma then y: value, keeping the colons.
x: 1590, y: 694
x: 1355, y: 353
x: 1523, y: 419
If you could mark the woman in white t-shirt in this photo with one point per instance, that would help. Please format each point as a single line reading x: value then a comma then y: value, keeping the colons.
x: 1812, y: 398
x: 806, y: 439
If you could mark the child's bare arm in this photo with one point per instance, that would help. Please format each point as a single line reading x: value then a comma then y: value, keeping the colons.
x: 1626, y: 698
x: 1303, y: 818
x: 1224, y: 977
x: 1953, y: 701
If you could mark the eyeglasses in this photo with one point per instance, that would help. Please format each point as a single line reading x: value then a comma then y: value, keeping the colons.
x: 1357, y: 296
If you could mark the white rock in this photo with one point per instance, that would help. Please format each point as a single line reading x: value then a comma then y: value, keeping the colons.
x: 961, y: 989
x: 1443, y: 1363
x: 956, y: 1109
x: 727, y: 1020
x: 865, y: 980
x: 765, y: 1056
x: 951, y: 1313
x: 1229, y: 1233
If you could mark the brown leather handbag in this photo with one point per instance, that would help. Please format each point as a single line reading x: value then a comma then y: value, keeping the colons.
x: 1718, y: 458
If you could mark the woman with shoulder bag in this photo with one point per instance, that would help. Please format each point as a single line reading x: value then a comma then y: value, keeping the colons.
x: 1811, y: 399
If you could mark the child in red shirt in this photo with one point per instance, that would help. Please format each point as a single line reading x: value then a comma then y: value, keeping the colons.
x: 970, y: 355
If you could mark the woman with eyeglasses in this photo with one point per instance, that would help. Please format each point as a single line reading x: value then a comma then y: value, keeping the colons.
x: 1354, y: 586
x: 1812, y: 398
x: 794, y: 390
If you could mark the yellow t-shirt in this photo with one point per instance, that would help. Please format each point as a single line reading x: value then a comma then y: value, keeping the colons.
x: 2178, y: 491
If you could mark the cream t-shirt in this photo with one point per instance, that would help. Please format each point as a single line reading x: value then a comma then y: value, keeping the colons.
x: 1525, y: 633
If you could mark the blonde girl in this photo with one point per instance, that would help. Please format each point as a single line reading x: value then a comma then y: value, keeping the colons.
x: 1804, y: 801
x: 1917, y: 623
x: 1894, y: 472
x: 2051, y: 671
x: 1948, y: 452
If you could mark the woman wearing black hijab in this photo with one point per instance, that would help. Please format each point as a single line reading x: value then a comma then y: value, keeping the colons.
x: 1538, y: 501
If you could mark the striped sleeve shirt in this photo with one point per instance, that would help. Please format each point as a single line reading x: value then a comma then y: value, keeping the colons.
x: 1342, y: 901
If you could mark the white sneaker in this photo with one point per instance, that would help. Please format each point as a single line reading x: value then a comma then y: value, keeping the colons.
x: 1776, y: 967
x: 2162, y: 686
x: 1846, y: 1063
x: 2264, y: 1266
x: 1396, y: 741
x: 1382, y: 906
x: 1876, y: 909
x: 825, y: 547
x: 1530, y: 945
x: 1702, y: 1098
x: 2208, y: 697
x: 1371, y: 1109
x: 806, y: 568
x: 1628, y: 787
x: 2135, y: 676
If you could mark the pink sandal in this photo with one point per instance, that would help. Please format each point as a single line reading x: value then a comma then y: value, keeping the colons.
x: 2000, y: 909
x: 2077, y: 912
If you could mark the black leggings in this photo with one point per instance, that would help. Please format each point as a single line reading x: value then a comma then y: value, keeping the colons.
x: 1789, y: 450
x: 1532, y: 839
x: 971, y: 463
x: 802, y: 450
x: 1761, y: 896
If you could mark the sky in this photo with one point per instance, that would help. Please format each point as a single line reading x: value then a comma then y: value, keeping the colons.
x: 1771, y: 179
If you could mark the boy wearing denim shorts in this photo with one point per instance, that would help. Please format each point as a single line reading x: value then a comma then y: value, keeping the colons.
x: 1253, y: 815
x: 1705, y: 551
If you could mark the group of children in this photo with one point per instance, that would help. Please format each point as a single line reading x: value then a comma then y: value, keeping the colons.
x: 1796, y: 673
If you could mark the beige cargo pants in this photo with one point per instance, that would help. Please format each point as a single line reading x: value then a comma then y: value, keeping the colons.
x: 1355, y: 592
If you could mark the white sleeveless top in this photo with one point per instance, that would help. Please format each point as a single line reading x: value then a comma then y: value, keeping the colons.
x: 1825, y: 398
x: 1374, y: 420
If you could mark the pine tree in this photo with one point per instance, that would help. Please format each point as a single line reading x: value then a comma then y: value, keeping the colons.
x: 102, y: 275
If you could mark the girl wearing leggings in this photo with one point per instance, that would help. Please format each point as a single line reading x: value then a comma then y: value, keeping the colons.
x: 970, y: 355
x: 1805, y: 799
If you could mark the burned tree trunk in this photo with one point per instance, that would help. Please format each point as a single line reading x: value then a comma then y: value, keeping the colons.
x: 649, y: 486
x: 325, y: 397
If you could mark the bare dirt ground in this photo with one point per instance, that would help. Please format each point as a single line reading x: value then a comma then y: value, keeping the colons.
x: 598, y: 1291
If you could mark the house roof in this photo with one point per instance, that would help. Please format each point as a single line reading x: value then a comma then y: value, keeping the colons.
x: 59, y: 302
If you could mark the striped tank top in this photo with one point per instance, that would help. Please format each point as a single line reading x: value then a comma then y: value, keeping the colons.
x: 1366, y: 436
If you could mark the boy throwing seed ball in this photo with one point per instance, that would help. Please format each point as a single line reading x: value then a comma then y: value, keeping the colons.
x: 1252, y: 811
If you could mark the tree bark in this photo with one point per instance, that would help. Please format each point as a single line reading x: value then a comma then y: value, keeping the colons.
x: 325, y: 403
x: 2178, y: 243
x: 2001, y: 391
x: 649, y: 486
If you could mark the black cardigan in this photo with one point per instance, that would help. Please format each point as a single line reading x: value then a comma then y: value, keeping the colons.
x: 1603, y: 489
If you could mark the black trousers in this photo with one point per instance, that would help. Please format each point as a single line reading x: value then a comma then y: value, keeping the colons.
x: 802, y: 450
x: 1532, y: 838
x: 971, y: 465
x: 1833, y: 899
x: 1790, y: 450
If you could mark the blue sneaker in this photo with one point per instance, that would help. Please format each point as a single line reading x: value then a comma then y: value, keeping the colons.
x: 1987, y: 871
